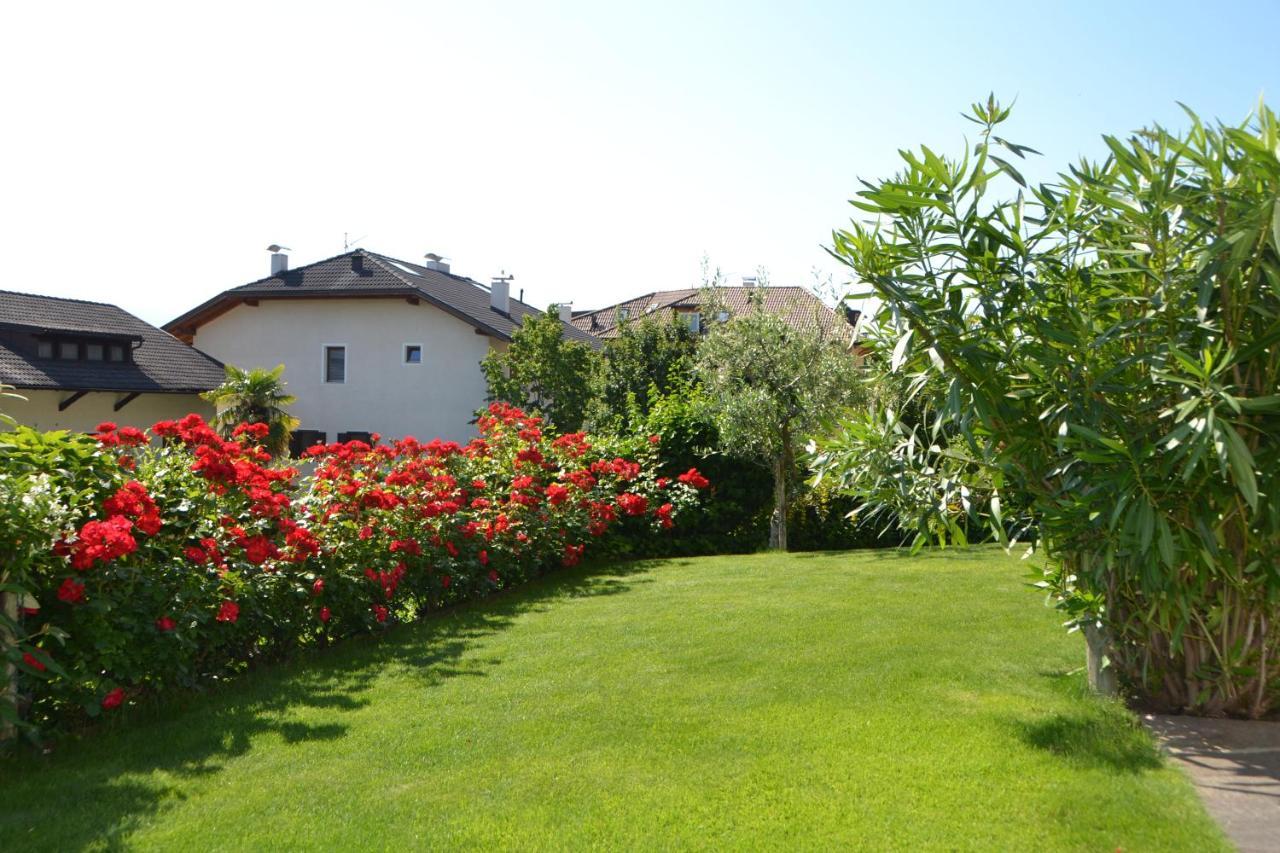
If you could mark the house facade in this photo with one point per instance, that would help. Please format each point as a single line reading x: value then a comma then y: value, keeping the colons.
x: 702, y: 307
x: 76, y: 364
x: 369, y: 343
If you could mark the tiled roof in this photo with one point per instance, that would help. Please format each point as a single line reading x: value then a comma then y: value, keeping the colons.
x: 801, y: 308
x: 160, y: 363
x: 364, y: 273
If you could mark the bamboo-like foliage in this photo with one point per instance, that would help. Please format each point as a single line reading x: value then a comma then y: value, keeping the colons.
x: 1110, y: 344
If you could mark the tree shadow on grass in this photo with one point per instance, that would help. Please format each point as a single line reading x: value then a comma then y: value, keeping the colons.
x: 1105, y: 740
x: 196, y: 734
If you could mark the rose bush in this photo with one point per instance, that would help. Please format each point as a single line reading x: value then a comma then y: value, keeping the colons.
x: 149, y: 560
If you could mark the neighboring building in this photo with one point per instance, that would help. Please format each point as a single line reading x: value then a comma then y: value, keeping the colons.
x: 369, y: 343
x: 81, y: 363
x: 800, y: 308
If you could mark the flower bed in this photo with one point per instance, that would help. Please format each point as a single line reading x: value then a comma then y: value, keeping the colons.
x: 143, y: 564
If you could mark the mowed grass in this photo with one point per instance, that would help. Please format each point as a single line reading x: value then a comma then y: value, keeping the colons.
x: 866, y: 699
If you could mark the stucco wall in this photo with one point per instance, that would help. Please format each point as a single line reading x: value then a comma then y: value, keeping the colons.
x: 40, y: 409
x: 436, y: 398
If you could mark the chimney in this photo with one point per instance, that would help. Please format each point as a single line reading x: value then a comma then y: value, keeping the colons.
x: 279, y: 260
x: 357, y: 262
x: 500, y: 294
x: 436, y: 262
x: 566, y: 311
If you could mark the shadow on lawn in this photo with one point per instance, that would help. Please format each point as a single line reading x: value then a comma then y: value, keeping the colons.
x: 1093, y: 740
x: 194, y: 735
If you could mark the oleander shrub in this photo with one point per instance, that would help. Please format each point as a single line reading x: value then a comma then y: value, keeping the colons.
x: 1109, y: 342
x: 144, y: 561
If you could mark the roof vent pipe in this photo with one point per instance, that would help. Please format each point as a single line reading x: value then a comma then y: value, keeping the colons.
x: 500, y: 293
x: 566, y: 311
x: 279, y: 260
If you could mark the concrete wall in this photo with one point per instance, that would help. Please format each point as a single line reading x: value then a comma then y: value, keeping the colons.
x: 436, y: 398
x: 40, y: 409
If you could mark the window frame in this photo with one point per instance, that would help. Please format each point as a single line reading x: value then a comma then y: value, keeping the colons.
x: 324, y: 364
x: 404, y: 355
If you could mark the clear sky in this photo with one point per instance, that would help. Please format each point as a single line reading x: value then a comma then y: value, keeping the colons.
x: 596, y: 150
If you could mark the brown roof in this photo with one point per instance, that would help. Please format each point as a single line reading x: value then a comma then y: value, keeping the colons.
x: 158, y: 363
x: 361, y: 273
x: 801, y: 308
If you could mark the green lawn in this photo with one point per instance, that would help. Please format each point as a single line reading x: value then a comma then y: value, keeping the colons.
x: 866, y: 699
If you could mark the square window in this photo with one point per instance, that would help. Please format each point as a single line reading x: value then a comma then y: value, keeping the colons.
x: 95, y: 352
x: 115, y: 352
x: 68, y: 350
x: 44, y: 349
x: 335, y: 364
x: 413, y: 354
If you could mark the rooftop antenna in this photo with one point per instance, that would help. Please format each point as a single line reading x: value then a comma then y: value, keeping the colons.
x: 348, y: 243
x: 277, y: 248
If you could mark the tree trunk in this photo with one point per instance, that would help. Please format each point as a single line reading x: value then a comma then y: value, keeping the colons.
x: 9, y: 678
x: 1102, y: 675
x: 778, y: 521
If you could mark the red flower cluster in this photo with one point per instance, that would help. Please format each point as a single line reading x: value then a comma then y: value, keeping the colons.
x: 693, y: 478
x: 102, y: 541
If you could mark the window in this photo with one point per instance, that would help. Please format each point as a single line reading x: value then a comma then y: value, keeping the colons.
x: 115, y: 352
x: 624, y: 314
x: 413, y: 353
x: 44, y: 349
x: 68, y: 350
x: 335, y: 364
x: 94, y: 352
x: 694, y: 319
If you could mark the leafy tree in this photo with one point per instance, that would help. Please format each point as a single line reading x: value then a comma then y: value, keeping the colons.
x: 254, y: 396
x: 1110, y: 342
x: 541, y: 370
x: 771, y: 386
x: 649, y: 357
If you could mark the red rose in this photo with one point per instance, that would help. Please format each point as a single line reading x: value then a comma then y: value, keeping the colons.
x: 493, y: 576
x: 164, y: 623
x: 324, y: 614
x: 318, y: 586
x: 445, y: 581
x: 32, y: 661
x: 113, y: 699
x: 380, y: 613
x: 106, y: 426
x: 484, y: 558
x: 228, y: 612
x: 633, y: 504
x: 654, y: 439
x: 693, y: 478
x: 71, y: 591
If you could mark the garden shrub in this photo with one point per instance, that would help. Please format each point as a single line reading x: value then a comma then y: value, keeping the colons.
x: 148, y: 560
x: 1110, y: 345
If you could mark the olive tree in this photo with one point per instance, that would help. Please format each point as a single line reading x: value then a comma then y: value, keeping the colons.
x: 771, y: 385
x: 1110, y: 344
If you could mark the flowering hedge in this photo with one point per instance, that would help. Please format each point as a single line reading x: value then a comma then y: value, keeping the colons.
x: 147, y: 560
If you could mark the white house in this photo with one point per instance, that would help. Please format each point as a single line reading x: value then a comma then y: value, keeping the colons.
x: 369, y: 343
x: 77, y: 364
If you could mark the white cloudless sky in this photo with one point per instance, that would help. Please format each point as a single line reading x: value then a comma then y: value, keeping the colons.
x: 150, y: 152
